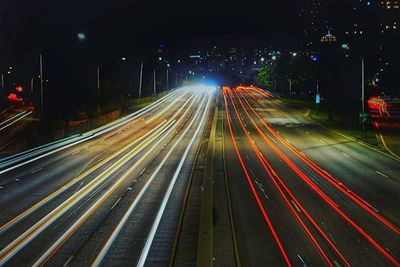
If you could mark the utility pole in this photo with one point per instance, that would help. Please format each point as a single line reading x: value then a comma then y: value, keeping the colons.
x: 167, y: 78
x: 317, y: 96
x: 140, y: 79
x: 41, y: 90
x: 98, y: 92
x: 2, y: 88
x: 154, y: 81
x: 32, y: 86
x: 364, y: 134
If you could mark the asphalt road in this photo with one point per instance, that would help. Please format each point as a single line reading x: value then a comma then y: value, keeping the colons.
x: 285, y: 190
x: 111, y: 200
x: 304, y: 195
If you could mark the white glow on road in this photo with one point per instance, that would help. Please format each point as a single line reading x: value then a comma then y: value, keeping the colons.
x: 13, y: 117
x: 133, y: 205
x: 150, y: 238
x: 15, y: 120
x: 36, y: 154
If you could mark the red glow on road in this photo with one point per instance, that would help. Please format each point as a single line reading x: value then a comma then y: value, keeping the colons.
x: 253, y: 190
x: 316, y: 189
x: 327, y: 176
x: 276, y: 179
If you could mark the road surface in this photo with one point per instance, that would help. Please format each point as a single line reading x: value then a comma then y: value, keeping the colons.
x: 113, y: 199
x: 202, y: 177
x: 304, y: 195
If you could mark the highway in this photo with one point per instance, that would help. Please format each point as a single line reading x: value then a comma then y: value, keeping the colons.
x: 204, y: 177
x: 108, y: 197
x: 303, y: 195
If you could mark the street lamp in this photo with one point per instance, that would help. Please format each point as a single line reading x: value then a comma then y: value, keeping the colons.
x: 140, y: 79
x: 274, y: 58
x: 81, y: 36
x: 294, y: 54
x: 347, y: 47
x: 168, y: 76
x: 41, y: 90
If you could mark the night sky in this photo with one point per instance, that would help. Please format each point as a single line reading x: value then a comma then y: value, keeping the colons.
x: 123, y: 26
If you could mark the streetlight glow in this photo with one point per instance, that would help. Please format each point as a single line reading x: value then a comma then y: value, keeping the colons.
x: 81, y: 36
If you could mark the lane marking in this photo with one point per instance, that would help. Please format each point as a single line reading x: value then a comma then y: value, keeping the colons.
x: 36, y: 170
x: 116, y: 203
x: 295, y: 205
x: 14, y: 121
x: 68, y: 261
x: 380, y: 173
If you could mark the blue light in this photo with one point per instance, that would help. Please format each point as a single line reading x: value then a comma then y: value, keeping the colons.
x: 314, y: 58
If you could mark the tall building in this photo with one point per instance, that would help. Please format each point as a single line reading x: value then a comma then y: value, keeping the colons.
x: 390, y: 4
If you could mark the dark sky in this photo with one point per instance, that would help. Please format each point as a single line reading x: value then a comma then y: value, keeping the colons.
x: 131, y: 27
x: 119, y: 24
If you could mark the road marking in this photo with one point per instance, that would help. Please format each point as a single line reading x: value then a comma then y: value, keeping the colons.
x: 380, y: 173
x: 302, y: 261
x: 36, y: 170
x: 68, y: 261
x: 116, y: 203
x: 252, y: 173
x: 336, y: 263
x: 295, y: 205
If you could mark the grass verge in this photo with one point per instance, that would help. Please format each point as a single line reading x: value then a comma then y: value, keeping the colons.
x: 345, y: 124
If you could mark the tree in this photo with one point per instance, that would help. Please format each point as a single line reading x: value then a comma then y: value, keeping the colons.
x: 266, y: 76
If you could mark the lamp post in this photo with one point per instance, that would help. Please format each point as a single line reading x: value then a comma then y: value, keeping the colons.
x: 168, y: 77
x: 2, y: 91
x: 41, y: 90
x: 274, y: 58
x: 98, y: 92
x: 140, y: 79
x: 364, y: 133
x: 347, y: 47
x: 154, y: 81
x: 293, y: 55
